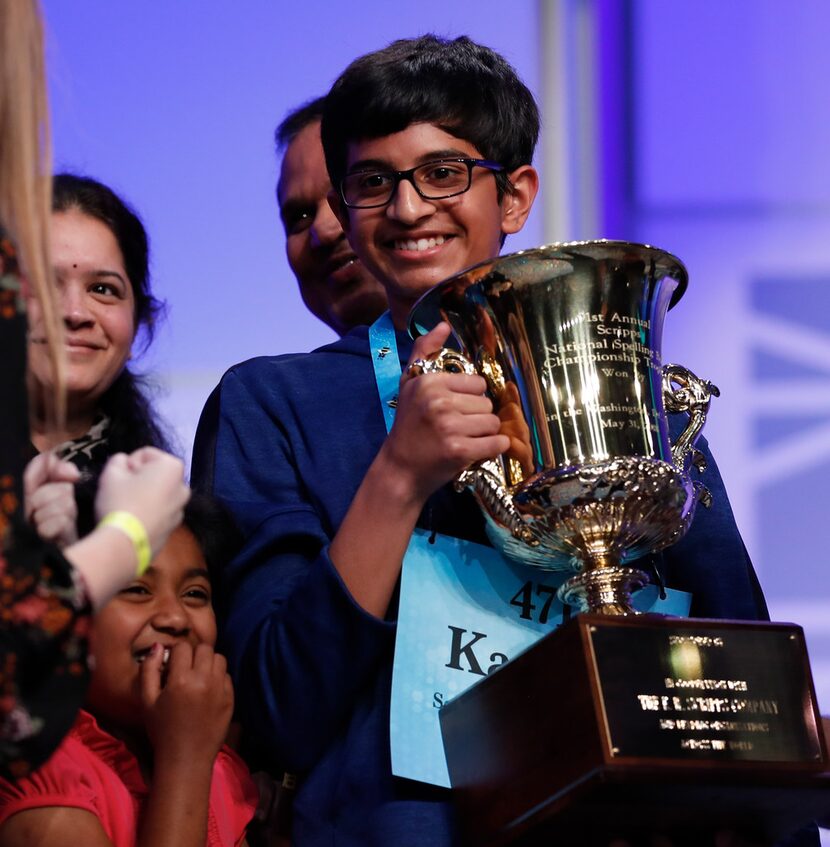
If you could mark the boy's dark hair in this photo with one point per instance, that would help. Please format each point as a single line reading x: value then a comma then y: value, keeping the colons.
x: 465, y: 89
x: 296, y: 121
x: 133, y: 421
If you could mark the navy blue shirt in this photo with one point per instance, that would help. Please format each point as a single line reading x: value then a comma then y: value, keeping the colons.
x: 285, y: 442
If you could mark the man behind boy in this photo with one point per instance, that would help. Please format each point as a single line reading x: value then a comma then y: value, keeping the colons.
x: 334, y: 285
x: 328, y: 501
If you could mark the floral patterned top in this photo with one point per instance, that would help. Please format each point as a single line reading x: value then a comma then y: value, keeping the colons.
x: 44, y: 611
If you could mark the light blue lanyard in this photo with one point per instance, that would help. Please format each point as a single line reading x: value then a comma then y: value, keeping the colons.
x: 385, y: 361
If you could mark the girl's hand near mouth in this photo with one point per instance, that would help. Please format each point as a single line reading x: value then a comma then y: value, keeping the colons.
x: 188, y: 703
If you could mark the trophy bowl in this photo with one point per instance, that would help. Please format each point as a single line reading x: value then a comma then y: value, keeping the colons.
x: 568, y: 337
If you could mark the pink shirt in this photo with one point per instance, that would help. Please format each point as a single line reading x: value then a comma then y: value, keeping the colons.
x: 92, y: 770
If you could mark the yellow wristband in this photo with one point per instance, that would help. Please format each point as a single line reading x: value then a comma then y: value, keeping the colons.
x: 132, y: 527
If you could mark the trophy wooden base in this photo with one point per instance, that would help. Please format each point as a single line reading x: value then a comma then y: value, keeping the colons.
x: 622, y: 727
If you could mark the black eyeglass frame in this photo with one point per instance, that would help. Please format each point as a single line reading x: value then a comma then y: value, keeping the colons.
x: 408, y: 175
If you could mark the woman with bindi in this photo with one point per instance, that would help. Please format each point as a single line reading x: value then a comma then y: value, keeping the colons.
x: 100, y: 256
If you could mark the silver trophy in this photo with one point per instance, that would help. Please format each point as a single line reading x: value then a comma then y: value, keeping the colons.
x: 568, y: 338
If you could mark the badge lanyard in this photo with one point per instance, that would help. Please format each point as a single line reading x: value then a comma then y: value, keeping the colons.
x: 384, y: 350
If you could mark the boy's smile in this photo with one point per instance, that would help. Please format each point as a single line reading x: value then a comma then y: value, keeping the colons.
x: 413, y: 243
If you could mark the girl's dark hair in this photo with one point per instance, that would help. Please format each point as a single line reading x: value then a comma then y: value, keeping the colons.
x: 215, y: 531
x: 133, y: 421
x: 220, y: 540
x: 208, y: 520
x: 465, y: 89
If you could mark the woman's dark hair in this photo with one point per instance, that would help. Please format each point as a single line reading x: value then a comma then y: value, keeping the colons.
x: 133, y: 421
x: 465, y: 89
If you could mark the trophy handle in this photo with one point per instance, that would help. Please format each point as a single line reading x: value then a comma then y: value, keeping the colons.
x: 683, y: 391
x: 486, y: 479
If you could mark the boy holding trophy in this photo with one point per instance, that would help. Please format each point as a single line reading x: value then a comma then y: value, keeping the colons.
x: 429, y: 145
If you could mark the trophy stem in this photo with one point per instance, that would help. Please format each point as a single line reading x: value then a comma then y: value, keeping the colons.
x: 604, y: 590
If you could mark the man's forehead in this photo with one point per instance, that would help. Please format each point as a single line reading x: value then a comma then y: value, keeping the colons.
x: 303, y: 170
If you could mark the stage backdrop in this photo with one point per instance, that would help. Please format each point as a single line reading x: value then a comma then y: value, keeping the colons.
x: 701, y: 127
x: 174, y: 104
x: 726, y: 131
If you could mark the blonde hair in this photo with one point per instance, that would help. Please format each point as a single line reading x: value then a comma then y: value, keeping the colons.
x: 25, y: 181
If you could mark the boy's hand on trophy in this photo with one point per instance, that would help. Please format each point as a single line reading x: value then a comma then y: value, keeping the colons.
x: 443, y: 423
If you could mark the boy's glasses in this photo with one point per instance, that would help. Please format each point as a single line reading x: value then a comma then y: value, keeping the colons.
x: 433, y: 181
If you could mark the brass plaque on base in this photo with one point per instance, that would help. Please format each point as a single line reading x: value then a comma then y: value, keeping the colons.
x: 622, y: 727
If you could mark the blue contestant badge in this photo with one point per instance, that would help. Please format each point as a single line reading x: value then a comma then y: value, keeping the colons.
x: 463, y: 612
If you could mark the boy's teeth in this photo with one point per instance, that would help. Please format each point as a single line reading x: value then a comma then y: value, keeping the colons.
x: 420, y: 244
x: 166, y: 655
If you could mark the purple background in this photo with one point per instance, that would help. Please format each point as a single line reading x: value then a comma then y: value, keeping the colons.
x: 709, y: 138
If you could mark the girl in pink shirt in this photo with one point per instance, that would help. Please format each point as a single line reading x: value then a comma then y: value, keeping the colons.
x: 146, y: 765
